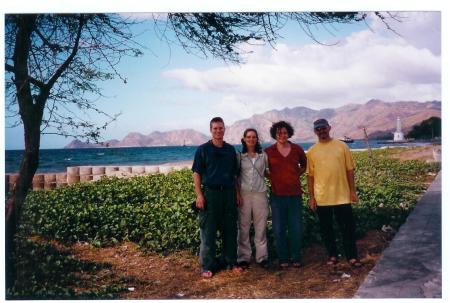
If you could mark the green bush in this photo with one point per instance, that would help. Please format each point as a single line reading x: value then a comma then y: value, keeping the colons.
x: 150, y: 210
x: 44, y: 272
x: 155, y: 212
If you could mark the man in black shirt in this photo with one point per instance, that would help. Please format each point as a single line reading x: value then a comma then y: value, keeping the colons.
x: 214, y: 172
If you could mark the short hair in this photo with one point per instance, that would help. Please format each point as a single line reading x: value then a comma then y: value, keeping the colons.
x: 216, y: 120
x: 279, y: 125
x: 258, y: 148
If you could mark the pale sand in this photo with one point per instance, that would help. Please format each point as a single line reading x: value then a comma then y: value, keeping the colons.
x: 179, y: 163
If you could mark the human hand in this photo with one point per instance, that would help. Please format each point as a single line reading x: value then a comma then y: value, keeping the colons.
x: 354, y: 197
x: 312, y: 204
x: 239, y: 200
x: 200, y: 202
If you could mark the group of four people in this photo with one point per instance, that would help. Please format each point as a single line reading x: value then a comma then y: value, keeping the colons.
x: 231, y: 192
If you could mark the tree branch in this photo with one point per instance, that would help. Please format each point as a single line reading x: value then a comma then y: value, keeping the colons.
x: 69, y: 59
x: 9, y: 68
x: 54, y: 47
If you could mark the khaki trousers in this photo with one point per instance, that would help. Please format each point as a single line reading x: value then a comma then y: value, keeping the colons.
x: 256, y: 207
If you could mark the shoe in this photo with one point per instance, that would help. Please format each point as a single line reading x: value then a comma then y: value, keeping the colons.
x: 332, y: 260
x: 264, y: 264
x: 207, y: 274
x: 355, y: 263
x: 284, y: 265
x: 244, y: 264
x: 237, y: 269
x: 296, y: 264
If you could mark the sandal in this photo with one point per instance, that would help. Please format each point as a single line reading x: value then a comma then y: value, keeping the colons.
x: 355, y: 263
x: 207, y: 274
x: 264, y: 264
x: 244, y: 264
x: 284, y: 265
x: 332, y: 261
x: 296, y: 264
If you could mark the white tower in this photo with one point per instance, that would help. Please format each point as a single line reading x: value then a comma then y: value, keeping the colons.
x: 398, y: 135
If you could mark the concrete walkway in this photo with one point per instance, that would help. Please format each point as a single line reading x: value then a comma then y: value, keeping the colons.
x: 411, y: 267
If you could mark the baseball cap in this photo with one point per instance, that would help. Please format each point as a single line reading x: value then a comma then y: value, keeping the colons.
x: 320, y: 123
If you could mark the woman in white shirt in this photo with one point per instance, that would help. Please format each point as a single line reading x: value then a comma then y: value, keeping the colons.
x: 251, y: 191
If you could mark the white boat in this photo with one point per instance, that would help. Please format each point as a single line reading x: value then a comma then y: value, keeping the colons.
x: 346, y: 139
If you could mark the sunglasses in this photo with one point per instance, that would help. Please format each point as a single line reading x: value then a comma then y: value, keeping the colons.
x: 320, y: 128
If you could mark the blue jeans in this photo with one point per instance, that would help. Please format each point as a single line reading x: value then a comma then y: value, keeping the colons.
x: 287, y: 222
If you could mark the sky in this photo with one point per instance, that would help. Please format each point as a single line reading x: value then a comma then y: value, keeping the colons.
x: 169, y: 89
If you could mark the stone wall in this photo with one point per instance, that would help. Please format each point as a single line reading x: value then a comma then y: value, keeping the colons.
x: 80, y: 174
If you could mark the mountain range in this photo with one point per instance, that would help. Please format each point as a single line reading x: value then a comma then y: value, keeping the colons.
x: 377, y: 116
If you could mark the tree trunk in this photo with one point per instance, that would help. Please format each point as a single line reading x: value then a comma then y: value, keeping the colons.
x: 31, y: 111
x: 28, y: 168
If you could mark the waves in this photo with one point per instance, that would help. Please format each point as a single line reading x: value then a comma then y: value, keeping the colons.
x: 57, y: 160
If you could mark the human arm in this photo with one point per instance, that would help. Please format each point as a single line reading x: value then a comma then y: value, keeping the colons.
x: 200, y: 201
x: 238, y: 193
x: 302, y: 161
x: 351, y: 185
x: 266, y: 165
x: 302, y: 170
x: 312, y: 199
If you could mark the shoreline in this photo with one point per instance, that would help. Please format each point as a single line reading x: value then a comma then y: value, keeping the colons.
x: 177, y: 164
x: 188, y: 163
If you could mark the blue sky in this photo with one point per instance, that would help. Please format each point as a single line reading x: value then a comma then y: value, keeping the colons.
x: 168, y: 89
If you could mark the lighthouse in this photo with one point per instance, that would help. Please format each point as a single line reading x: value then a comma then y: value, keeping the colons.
x: 398, y: 135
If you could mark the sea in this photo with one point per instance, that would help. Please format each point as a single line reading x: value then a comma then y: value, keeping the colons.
x: 57, y: 160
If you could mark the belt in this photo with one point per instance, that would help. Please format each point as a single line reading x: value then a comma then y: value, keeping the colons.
x: 217, y: 187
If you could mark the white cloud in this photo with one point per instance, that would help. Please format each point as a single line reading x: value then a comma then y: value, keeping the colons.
x: 420, y: 29
x: 365, y: 65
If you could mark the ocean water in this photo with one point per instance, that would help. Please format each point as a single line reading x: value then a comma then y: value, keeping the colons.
x: 57, y: 160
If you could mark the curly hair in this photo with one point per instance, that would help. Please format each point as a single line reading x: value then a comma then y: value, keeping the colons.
x: 258, y: 148
x: 279, y: 125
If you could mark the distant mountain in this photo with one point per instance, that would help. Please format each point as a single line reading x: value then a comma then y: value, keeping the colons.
x: 135, y: 139
x: 79, y: 144
x: 377, y: 116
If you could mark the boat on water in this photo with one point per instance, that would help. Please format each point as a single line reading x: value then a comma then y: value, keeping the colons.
x: 346, y: 139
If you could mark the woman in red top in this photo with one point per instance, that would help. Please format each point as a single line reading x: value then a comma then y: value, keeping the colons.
x: 287, y: 162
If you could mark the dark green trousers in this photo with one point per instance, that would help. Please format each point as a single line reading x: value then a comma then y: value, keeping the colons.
x: 220, y: 215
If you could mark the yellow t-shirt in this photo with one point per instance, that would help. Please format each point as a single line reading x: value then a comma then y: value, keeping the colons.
x: 328, y: 163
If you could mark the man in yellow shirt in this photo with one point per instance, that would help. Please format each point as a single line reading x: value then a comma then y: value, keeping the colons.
x: 331, y: 186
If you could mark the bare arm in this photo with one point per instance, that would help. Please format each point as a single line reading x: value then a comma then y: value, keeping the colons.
x: 303, y: 162
x: 351, y: 185
x: 200, y: 200
x: 312, y: 199
x: 302, y: 170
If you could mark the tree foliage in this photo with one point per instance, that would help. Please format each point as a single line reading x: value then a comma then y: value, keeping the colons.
x: 427, y: 129
x: 68, y: 56
x: 223, y: 35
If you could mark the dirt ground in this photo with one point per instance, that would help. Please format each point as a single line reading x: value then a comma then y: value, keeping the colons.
x: 176, y: 276
x: 423, y: 153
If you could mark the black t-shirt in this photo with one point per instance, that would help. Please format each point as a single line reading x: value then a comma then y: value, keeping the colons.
x: 216, y: 165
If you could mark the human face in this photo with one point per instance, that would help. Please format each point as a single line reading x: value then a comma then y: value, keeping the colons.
x: 217, y: 130
x: 282, y: 135
x: 323, y: 133
x: 251, y: 139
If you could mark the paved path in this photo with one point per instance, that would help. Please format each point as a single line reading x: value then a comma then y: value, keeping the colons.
x: 411, y: 267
